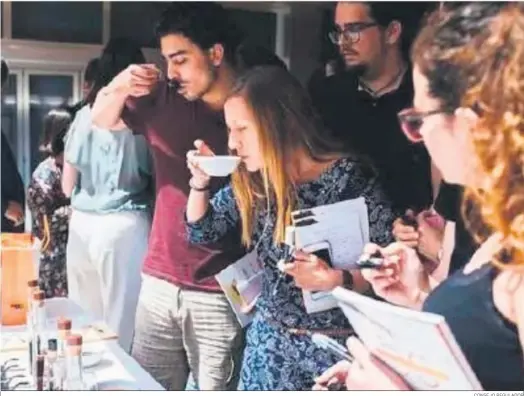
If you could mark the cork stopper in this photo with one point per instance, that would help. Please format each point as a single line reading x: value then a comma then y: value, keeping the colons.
x: 74, y: 340
x: 32, y: 283
x: 38, y: 295
x: 64, y: 323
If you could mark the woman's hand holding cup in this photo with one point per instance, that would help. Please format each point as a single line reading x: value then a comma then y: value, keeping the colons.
x: 199, y: 179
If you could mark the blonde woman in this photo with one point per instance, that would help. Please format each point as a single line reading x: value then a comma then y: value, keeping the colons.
x: 287, y: 164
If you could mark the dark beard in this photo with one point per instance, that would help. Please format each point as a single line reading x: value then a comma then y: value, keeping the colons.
x: 358, y: 70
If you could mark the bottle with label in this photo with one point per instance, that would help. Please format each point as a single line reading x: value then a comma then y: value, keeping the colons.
x: 74, y: 370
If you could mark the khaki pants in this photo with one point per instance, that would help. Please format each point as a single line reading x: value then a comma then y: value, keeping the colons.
x: 178, y: 331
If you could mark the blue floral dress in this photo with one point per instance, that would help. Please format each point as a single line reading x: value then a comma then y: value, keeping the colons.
x: 275, y: 359
x: 46, y: 199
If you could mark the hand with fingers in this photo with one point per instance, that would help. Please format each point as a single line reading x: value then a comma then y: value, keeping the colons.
x: 199, y: 179
x: 431, y: 235
x: 311, y: 273
x: 136, y: 80
x: 367, y: 372
x: 405, y: 229
x: 402, y: 279
x: 335, y: 375
x: 14, y: 212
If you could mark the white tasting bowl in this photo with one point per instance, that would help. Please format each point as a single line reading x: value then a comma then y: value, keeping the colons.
x: 217, y: 165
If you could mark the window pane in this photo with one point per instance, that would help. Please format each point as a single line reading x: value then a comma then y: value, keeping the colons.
x: 136, y: 20
x: 261, y: 27
x: 46, y: 92
x: 62, y: 21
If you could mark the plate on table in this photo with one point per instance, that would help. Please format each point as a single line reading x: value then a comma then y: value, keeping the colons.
x: 115, y: 385
x: 92, y: 357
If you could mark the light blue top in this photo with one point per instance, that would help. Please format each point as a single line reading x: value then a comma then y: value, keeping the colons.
x: 114, y: 167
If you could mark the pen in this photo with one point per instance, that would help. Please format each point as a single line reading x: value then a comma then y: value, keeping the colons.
x: 329, y: 344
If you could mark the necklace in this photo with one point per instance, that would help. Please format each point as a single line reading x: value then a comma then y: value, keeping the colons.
x: 393, y: 81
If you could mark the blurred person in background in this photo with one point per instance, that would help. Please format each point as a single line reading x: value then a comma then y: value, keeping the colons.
x: 13, y: 194
x: 107, y: 173
x: 360, y: 105
x: 50, y: 210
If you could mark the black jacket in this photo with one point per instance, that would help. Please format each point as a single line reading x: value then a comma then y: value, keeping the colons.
x: 369, y: 127
x: 12, y: 186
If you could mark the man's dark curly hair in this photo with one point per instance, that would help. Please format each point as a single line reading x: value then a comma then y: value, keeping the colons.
x: 204, y: 23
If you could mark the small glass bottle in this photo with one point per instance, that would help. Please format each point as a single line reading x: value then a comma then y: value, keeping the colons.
x: 32, y: 286
x: 38, y: 335
x: 39, y: 370
x: 50, y: 373
x: 74, y: 370
x: 64, y: 326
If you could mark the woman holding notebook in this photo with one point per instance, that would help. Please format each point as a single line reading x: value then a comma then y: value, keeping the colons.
x: 286, y: 164
x: 469, y: 96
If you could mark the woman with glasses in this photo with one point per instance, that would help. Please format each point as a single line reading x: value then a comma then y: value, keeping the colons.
x: 468, y: 75
x: 287, y: 164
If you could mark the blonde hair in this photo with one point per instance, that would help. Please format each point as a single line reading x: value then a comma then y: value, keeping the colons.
x: 286, y: 123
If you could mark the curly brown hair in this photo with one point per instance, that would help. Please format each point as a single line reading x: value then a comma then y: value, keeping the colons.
x: 473, y: 56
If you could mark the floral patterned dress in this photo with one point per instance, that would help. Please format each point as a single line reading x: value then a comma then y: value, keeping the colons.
x: 46, y: 199
x: 275, y: 359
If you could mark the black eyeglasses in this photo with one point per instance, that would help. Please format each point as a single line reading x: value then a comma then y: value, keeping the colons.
x: 351, y: 32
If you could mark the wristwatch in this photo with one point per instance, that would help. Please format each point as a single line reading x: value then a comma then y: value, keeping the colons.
x: 199, y: 189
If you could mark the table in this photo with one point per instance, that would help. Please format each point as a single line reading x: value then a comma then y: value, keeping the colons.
x: 116, y: 364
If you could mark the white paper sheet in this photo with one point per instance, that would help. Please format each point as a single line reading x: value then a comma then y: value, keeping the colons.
x: 343, y: 228
x: 418, y: 345
x: 242, y: 284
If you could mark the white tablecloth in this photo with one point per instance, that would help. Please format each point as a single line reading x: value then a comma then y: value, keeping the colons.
x: 116, y: 365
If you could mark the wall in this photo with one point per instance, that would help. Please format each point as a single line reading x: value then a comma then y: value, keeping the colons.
x: 297, y: 40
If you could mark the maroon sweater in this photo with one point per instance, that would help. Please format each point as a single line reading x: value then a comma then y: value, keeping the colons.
x: 171, y: 124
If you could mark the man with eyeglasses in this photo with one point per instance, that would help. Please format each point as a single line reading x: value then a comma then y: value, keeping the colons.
x: 360, y: 106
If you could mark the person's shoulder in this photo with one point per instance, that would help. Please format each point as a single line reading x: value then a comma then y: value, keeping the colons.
x: 341, y: 83
x: 359, y: 169
x: 334, y: 90
x: 44, y: 171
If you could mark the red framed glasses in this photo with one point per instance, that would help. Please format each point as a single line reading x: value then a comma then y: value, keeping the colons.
x: 412, y: 120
